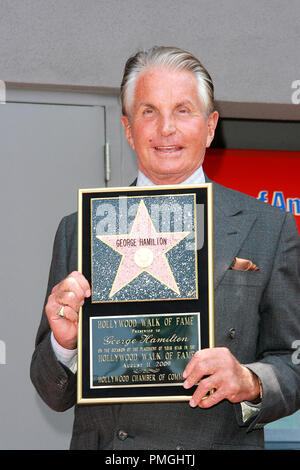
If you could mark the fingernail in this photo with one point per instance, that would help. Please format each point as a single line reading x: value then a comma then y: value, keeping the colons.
x: 192, y: 403
x: 88, y: 293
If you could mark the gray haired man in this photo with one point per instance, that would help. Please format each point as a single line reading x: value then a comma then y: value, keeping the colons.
x: 170, y: 119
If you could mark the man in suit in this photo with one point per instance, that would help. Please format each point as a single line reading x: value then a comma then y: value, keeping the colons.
x: 170, y: 120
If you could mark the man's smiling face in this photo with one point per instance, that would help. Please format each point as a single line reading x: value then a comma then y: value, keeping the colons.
x: 167, y: 127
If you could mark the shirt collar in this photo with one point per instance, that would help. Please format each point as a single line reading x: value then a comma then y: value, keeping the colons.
x: 197, y: 177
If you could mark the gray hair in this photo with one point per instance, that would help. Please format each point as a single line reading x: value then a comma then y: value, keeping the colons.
x: 173, y: 58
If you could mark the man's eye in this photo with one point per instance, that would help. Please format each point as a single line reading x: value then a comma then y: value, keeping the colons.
x: 148, y: 112
x: 183, y: 110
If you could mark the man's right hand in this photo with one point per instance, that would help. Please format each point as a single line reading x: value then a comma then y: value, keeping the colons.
x: 70, y: 294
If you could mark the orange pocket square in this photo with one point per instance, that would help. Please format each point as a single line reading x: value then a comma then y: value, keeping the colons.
x: 241, y: 264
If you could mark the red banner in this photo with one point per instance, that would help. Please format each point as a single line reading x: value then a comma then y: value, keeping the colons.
x: 272, y: 176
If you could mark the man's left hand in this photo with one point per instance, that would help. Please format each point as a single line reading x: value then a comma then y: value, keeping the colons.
x: 217, y: 370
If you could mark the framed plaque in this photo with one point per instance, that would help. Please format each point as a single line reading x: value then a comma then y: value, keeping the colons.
x: 147, y: 253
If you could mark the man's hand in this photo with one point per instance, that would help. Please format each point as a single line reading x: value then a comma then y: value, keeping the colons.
x: 222, y: 374
x: 69, y: 293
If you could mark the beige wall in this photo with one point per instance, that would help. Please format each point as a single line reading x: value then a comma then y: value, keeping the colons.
x: 250, y: 48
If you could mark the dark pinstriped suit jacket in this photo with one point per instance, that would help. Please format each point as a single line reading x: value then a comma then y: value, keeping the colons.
x: 263, y: 308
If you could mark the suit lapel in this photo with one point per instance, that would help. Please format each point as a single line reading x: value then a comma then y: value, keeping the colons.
x: 231, y: 227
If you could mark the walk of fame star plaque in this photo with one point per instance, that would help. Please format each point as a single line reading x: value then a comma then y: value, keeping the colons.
x: 147, y: 253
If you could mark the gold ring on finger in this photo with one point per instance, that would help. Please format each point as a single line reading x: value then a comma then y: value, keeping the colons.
x: 61, y: 312
x: 210, y: 392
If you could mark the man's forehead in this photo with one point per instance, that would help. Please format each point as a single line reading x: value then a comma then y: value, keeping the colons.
x: 177, y: 85
x: 149, y: 104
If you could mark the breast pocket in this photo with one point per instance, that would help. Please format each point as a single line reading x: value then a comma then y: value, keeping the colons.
x: 237, y: 306
x: 244, y: 278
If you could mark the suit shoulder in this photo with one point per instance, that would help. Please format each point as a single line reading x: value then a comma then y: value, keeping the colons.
x: 71, y: 218
x: 67, y: 228
x: 237, y: 200
x: 70, y: 221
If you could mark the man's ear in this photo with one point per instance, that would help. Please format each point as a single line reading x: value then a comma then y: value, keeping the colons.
x: 212, y: 122
x: 128, y: 133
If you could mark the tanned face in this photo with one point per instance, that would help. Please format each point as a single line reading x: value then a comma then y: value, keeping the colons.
x: 167, y: 127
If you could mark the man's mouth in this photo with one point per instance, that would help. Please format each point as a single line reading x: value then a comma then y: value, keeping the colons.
x: 168, y: 148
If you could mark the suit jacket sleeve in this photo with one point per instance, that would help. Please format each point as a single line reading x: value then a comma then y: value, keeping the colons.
x: 279, y: 329
x: 55, y: 383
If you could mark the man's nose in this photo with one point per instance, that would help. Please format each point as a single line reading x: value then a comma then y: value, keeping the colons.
x: 167, y: 125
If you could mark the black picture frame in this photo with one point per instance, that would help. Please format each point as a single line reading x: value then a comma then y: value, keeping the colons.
x: 133, y: 341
